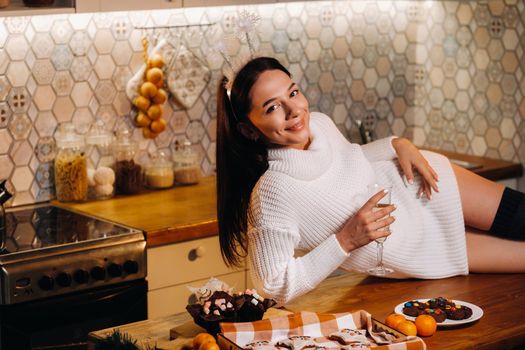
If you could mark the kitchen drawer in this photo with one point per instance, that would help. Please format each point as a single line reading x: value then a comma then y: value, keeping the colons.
x: 172, y: 300
x: 187, y: 261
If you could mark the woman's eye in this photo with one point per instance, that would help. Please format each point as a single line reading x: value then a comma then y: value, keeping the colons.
x: 294, y: 93
x: 272, y: 108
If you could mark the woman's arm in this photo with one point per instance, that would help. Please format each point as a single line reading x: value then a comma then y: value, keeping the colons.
x: 283, y: 277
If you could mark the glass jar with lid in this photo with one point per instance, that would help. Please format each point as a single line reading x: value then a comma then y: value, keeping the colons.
x: 101, y: 162
x: 186, y: 163
x: 128, y: 172
x: 71, y: 183
x: 159, y: 171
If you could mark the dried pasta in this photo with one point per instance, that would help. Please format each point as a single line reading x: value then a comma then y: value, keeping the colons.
x: 71, y: 177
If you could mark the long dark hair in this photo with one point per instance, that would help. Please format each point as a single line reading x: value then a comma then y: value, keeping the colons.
x: 240, y: 161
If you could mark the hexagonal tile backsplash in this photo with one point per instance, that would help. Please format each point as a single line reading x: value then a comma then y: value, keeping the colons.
x: 448, y: 75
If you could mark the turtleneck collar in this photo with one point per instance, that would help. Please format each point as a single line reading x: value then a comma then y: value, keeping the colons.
x: 306, y: 164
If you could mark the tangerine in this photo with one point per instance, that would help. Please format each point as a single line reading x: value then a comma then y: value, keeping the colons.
x: 426, y: 325
x: 209, y: 346
x: 393, y: 320
x: 202, y: 338
x: 407, y: 327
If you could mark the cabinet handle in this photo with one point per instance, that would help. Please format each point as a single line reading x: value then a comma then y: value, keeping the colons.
x: 196, y: 253
x: 200, y: 251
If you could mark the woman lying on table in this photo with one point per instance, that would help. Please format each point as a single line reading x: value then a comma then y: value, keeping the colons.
x: 288, y: 180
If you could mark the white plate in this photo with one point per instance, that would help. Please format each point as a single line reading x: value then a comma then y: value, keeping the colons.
x: 477, y: 313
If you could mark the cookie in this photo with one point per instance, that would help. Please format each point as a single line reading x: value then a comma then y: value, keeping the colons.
x: 260, y: 345
x: 414, y: 308
x: 438, y: 314
x: 297, y: 342
x: 348, y: 336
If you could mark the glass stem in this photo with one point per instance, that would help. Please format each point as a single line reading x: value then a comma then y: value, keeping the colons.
x: 380, y: 254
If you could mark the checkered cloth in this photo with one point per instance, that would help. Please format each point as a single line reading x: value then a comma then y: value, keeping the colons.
x: 315, y: 325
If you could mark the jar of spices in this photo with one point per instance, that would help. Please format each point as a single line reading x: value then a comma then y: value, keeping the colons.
x: 186, y: 164
x: 71, y: 182
x: 101, y: 162
x: 128, y: 173
x: 159, y: 171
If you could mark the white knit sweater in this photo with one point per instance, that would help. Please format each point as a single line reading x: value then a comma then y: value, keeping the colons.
x: 306, y: 196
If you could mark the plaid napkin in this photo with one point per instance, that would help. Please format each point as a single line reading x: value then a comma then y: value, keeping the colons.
x: 318, y: 326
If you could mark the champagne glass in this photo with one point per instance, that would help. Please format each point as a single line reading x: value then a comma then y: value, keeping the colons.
x: 379, y: 269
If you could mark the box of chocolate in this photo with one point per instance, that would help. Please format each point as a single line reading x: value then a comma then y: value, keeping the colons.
x: 216, y: 302
x: 302, y: 330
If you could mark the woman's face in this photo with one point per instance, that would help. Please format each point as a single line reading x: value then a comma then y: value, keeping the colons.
x: 280, y: 111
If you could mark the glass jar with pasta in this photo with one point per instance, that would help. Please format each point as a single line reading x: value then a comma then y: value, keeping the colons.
x: 71, y: 183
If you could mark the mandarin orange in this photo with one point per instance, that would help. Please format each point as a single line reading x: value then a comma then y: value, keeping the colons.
x: 407, y: 327
x: 426, y: 325
x: 209, y: 346
x: 202, y: 338
x: 393, y: 320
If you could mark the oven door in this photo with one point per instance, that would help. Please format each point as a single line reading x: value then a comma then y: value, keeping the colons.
x: 64, y: 322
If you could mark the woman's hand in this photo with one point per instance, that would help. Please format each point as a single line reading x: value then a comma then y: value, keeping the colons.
x: 410, y: 158
x: 365, y: 226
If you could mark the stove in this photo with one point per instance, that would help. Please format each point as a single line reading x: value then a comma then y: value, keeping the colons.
x: 49, y: 251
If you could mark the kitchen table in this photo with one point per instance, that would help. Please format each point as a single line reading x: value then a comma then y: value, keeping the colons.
x: 500, y: 296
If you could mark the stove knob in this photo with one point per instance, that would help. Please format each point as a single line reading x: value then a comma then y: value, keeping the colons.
x: 81, y: 276
x: 46, y: 282
x: 114, y: 270
x: 131, y: 266
x: 63, y: 279
x: 98, y: 273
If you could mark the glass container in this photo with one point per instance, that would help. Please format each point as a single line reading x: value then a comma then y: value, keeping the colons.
x: 4, y: 197
x: 159, y: 171
x: 71, y: 183
x: 128, y: 172
x: 101, y: 161
x: 186, y: 163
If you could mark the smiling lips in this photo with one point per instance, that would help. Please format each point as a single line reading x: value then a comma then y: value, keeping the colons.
x: 297, y: 126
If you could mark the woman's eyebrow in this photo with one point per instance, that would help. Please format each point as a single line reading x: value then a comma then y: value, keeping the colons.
x: 273, y: 98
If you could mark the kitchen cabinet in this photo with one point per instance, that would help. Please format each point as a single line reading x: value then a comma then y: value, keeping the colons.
x: 125, y: 5
x: 173, y: 267
x: 202, y: 3
x: 18, y: 8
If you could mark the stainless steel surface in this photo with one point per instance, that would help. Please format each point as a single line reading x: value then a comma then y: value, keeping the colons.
x: 51, y: 254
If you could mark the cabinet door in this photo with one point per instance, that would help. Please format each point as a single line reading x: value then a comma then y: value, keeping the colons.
x: 184, y: 262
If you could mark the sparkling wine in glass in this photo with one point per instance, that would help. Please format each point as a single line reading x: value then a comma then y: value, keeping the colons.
x: 380, y: 269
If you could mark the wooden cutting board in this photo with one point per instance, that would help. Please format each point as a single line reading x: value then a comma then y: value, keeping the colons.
x: 166, y: 333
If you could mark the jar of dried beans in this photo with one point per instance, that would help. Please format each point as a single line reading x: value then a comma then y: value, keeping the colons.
x: 128, y: 172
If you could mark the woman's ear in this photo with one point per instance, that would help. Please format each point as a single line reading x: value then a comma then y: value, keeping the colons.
x: 248, y: 131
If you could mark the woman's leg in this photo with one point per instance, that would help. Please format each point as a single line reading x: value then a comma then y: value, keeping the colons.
x: 489, y: 254
x: 480, y: 198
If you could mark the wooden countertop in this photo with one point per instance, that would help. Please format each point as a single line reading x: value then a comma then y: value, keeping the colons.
x: 500, y: 297
x: 184, y: 213
x: 166, y: 216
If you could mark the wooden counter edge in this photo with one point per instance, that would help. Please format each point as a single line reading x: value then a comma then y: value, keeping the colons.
x: 170, y: 235
x: 492, y: 169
